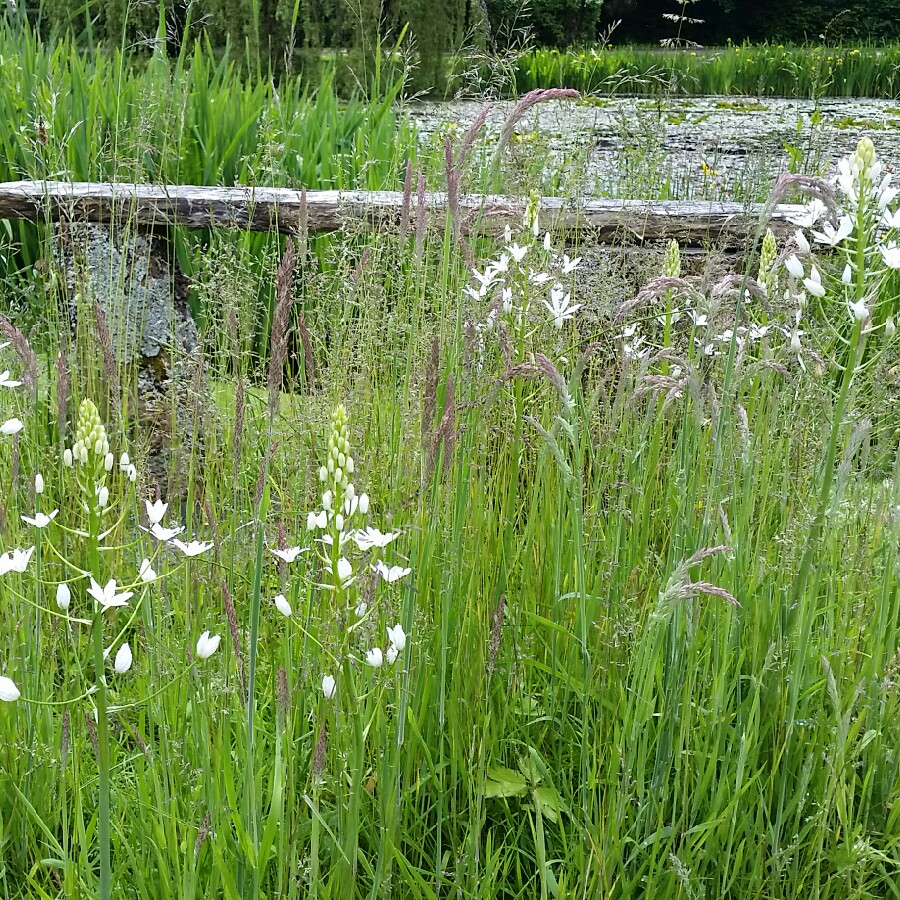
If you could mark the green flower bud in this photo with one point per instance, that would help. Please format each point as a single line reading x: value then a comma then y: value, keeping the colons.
x: 672, y: 260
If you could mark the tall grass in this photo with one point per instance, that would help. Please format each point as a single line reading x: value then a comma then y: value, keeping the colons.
x: 749, y: 69
x: 614, y: 682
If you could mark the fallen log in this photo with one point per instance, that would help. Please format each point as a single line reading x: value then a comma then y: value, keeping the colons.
x: 692, y: 224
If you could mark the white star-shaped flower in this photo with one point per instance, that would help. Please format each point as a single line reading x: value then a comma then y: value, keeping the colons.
x: 289, y: 554
x: 15, y: 561
x: 372, y: 537
x: 165, y: 534
x: 155, y: 511
x: 390, y: 574
x: 40, y: 520
x: 6, y: 381
x: 107, y: 596
x: 194, y: 548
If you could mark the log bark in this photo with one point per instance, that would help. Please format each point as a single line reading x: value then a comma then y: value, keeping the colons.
x: 692, y: 224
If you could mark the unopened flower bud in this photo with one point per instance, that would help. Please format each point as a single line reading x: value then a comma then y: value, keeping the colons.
x: 363, y: 503
x: 124, y: 461
x: 672, y: 260
x: 351, y: 491
x: 890, y: 329
x: 338, y: 475
x: 326, y: 500
x: 323, y: 473
x: 132, y: 473
x: 98, y: 447
x: 103, y: 497
x: 341, y: 460
x: 83, y: 455
x: 108, y: 462
x: 350, y: 465
x: 63, y: 596
x: 339, y: 522
x: 39, y: 483
x: 67, y: 458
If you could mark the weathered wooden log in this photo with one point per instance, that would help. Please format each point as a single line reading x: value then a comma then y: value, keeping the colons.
x: 692, y: 224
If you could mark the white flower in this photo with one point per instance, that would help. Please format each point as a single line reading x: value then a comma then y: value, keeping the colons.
x: 539, y: 278
x: 326, y: 501
x: 569, y: 265
x: 165, y: 534
x: 323, y: 473
x: 397, y: 636
x: 350, y: 466
x: 282, y: 605
x: 344, y: 570
x: 374, y: 657
x: 351, y: 504
x: 859, y: 310
x: 12, y: 426
x: 107, y: 596
x: 103, y: 497
x: 390, y: 574
x: 372, y: 537
x: 363, y: 504
x: 15, y: 561
x: 207, y: 645
x: 891, y: 255
x: 794, y: 266
x: 289, y: 554
x: 194, y: 548
x: 517, y: 252
x: 892, y: 219
x: 146, y: 572
x: 317, y: 520
x: 339, y: 522
x: 67, y: 458
x: 329, y: 686
x: 560, y: 306
x: 9, y: 693
x: 131, y: 472
x: 795, y: 340
x: 40, y: 520
x: 6, y: 381
x: 833, y: 236
x: 108, y: 462
x: 815, y: 210
x: 63, y: 596
x: 392, y: 654
x: 124, y: 462
x: 506, y: 302
x: 39, y: 483
x: 123, y: 659
x: 847, y: 274
x: 814, y: 283
x: 156, y: 511
x: 361, y: 608
x: 802, y: 242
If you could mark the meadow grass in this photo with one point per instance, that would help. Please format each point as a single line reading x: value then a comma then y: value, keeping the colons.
x: 649, y: 627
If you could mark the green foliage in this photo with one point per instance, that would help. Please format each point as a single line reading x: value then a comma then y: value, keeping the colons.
x: 553, y: 23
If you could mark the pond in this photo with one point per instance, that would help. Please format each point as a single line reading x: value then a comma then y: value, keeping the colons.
x: 678, y: 148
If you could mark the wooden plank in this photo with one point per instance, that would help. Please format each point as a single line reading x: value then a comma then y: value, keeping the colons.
x: 280, y: 209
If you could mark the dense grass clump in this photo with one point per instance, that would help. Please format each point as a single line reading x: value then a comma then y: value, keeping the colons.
x: 496, y: 586
x: 773, y: 70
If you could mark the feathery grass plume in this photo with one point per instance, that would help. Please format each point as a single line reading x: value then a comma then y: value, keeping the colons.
x: 26, y: 355
x: 731, y: 284
x: 421, y: 218
x: 203, y: 832
x: 91, y: 726
x: 553, y: 446
x: 496, y: 635
x: 110, y: 370
x: 553, y: 376
x: 744, y: 426
x: 307, y: 353
x: 657, y: 384
x: 680, y: 587
x: 693, y: 588
x: 63, y: 389
x: 319, y: 754
x: 282, y: 696
x: 360, y: 269
x: 447, y: 429
x: 468, y: 141
x: 303, y: 229
x: 470, y: 342
x: 284, y: 296
x: 405, y: 205
x: 238, y: 436
x: 261, y: 479
x: 814, y: 187
x: 234, y: 342
x: 655, y: 289
x: 525, y: 103
x: 231, y: 615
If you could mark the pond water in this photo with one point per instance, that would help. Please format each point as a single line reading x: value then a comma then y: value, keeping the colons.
x: 679, y: 148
